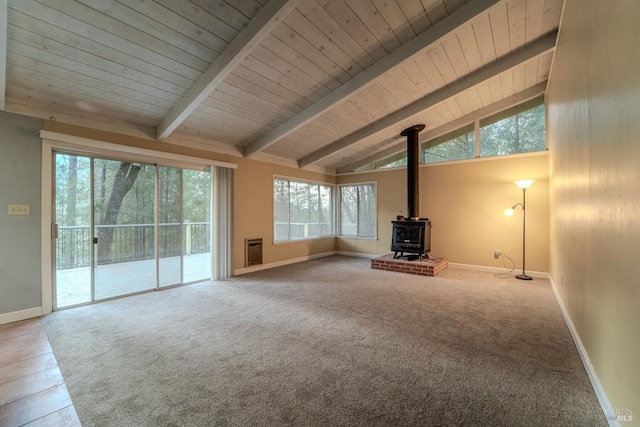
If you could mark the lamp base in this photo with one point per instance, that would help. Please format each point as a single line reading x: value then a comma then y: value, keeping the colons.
x: 524, y: 277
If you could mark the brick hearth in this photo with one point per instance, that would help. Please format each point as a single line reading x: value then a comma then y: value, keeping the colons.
x: 427, y: 267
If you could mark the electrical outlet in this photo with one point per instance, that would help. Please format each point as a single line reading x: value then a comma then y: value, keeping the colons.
x: 497, y: 254
x: 19, y: 209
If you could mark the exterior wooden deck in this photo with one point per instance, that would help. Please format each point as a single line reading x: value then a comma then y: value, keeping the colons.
x: 73, y: 286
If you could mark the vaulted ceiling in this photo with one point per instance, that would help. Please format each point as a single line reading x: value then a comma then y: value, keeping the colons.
x: 316, y: 83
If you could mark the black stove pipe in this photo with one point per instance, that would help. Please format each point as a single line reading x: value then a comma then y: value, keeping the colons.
x: 413, y: 170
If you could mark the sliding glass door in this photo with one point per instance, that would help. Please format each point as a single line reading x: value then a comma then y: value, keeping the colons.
x: 196, y: 207
x: 170, y: 232
x: 72, y: 211
x: 126, y: 227
x: 184, y: 230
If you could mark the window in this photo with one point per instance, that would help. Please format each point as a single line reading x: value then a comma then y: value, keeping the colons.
x: 457, y: 145
x: 396, y: 161
x: 301, y: 210
x: 520, y: 129
x: 358, y: 210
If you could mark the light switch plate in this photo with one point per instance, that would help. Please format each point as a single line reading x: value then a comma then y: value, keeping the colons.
x: 19, y: 210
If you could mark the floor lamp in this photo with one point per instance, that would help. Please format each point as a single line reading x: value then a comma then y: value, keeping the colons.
x: 524, y: 184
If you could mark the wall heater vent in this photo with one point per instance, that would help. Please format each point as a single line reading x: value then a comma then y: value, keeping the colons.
x: 252, y: 252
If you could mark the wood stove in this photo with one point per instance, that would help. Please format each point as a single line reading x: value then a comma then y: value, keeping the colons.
x: 413, y: 234
x: 412, y: 237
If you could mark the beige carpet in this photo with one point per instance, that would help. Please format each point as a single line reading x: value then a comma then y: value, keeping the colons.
x: 327, y: 342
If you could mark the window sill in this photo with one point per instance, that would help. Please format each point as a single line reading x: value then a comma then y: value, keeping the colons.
x: 358, y: 237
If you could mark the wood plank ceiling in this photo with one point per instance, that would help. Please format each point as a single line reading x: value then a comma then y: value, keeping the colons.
x: 312, y: 83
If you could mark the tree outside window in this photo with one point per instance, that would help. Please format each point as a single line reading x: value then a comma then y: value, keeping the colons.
x: 457, y: 146
x: 520, y: 133
x: 301, y: 210
x: 358, y: 210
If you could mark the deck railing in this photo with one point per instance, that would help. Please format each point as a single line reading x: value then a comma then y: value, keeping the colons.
x: 301, y: 230
x: 132, y: 242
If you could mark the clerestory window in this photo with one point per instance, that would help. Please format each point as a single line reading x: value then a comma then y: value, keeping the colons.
x: 520, y: 129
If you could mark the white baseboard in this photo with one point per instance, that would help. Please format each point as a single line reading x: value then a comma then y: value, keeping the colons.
x: 16, y: 316
x: 535, y: 274
x: 240, y: 271
x: 607, y: 409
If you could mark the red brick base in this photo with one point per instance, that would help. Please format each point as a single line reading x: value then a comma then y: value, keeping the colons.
x: 427, y: 267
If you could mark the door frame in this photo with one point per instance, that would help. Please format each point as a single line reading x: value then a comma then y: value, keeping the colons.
x: 52, y: 141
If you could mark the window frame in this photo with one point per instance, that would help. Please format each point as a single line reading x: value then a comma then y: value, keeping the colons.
x: 339, y: 210
x: 332, y: 209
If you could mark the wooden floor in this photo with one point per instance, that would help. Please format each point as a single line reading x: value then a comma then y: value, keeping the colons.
x: 32, y: 390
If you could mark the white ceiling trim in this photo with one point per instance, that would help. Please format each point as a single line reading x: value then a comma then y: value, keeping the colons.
x: 487, y: 111
x: 361, y: 81
x: 3, y: 51
x: 266, y: 20
x: 525, y: 54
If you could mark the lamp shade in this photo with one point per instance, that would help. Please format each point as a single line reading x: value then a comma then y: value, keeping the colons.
x: 509, y: 212
x: 524, y: 183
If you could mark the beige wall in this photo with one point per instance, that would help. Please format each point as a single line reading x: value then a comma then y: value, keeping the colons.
x: 465, y: 202
x: 253, y: 213
x: 594, y: 127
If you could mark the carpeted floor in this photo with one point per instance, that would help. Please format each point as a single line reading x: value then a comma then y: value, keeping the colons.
x: 327, y: 342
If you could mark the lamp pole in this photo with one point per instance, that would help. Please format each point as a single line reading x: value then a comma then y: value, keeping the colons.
x: 523, y: 276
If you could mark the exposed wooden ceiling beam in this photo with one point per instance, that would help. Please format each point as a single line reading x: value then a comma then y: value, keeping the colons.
x: 368, y: 77
x: 487, y: 111
x: 3, y: 52
x: 265, y: 21
x: 525, y: 54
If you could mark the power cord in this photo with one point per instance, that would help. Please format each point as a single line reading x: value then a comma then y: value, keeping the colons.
x: 510, y: 273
